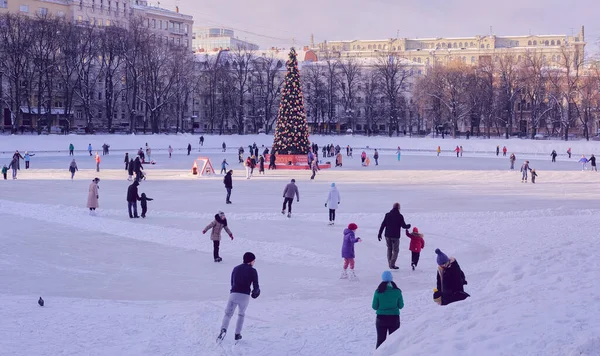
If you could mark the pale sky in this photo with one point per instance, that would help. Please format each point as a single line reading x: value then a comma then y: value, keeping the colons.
x: 275, y: 22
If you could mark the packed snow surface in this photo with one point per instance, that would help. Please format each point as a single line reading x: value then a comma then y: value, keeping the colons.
x: 119, y: 286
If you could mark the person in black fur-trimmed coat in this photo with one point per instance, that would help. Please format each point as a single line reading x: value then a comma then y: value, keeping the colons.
x: 450, y: 280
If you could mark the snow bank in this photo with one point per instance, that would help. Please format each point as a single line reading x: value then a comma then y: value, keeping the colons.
x: 213, y: 142
x: 540, y: 303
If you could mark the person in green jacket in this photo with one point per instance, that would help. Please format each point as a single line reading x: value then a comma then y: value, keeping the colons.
x: 387, y: 301
x: 71, y: 149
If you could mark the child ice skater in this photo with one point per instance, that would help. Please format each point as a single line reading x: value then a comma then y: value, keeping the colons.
x: 144, y: 202
x: 348, y: 251
x: 417, y: 243
x: 533, y: 176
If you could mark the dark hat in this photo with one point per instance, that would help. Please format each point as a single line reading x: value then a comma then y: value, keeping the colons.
x: 249, y: 257
x: 293, y: 181
x: 442, y: 259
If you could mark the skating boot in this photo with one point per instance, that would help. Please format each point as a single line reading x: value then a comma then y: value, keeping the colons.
x: 413, y: 266
x: 238, y: 337
x: 344, y: 274
x: 330, y: 223
x: 352, y: 276
x: 221, y: 335
x: 283, y: 212
x: 218, y: 259
x: 289, y: 215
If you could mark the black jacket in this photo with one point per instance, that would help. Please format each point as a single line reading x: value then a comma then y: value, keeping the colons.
x: 144, y: 200
x: 242, y: 277
x: 132, y: 192
x: 227, y: 181
x: 272, y: 158
x: 451, y: 285
x: 393, y: 223
x: 593, y: 160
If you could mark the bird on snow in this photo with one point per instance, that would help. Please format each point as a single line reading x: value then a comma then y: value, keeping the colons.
x: 41, y: 302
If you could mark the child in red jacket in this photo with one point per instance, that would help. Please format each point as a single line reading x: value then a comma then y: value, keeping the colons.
x: 417, y: 243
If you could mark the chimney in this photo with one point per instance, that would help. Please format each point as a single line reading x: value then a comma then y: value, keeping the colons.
x: 177, y: 9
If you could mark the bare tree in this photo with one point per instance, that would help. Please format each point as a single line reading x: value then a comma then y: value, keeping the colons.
x: 16, y: 38
x: 331, y: 76
x: 393, y: 73
x: 351, y: 76
x: 268, y: 78
x: 242, y: 60
x: 373, y: 109
x: 313, y: 83
x: 112, y: 69
x: 509, y: 88
x: 87, y: 72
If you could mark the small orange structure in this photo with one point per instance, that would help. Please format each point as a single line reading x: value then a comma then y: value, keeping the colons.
x: 205, y: 164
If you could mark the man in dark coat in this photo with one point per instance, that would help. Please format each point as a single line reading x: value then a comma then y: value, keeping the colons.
x: 132, y: 198
x: 130, y: 169
x: 228, y: 186
x: 393, y: 223
x: 189, y: 148
x: 138, y: 169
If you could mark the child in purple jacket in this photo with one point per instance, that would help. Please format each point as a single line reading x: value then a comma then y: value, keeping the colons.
x: 348, y: 251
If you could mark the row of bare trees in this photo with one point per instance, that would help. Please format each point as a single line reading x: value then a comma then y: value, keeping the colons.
x: 54, y: 67
x: 506, y: 90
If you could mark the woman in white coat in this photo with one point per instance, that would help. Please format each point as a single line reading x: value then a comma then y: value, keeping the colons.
x: 92, y: 201
x: 333, y: 199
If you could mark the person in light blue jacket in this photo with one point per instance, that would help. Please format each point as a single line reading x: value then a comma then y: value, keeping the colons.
x: 583, y: 162
x: 27, y: 158
x: 90, y: 149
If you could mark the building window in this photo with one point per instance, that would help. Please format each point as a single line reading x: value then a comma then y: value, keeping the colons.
x: 517, y: 44
x: 3, y: 4
x: 153, y: 23
x: 472, y: 59
x: 419, y: 60
x: 99, y: 95
x: 449, y: 45
x: 554, y: 58
x: 464, y: 59
x: 558, y: 42
x: 487, y: 46
x: 79, y: 114
x: 482, y: 46
x: 460, y: 44
x: 369, y: 46
x: 379, y: 47
x: 552, y: 43
x: 454, y: 45
x: 24, y: 8
x: 535, y: 43
x: 529, y: 43
x: 107, y: 23
x: 43, y: 11
x: 79, y: 19
x: 60, y: 13
x: 546, y: 43
x: 160, y: 24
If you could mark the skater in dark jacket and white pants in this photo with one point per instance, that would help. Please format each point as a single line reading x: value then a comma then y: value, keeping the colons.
x: 289, y: 192
x: 242, y: 277
x: 393, y: 223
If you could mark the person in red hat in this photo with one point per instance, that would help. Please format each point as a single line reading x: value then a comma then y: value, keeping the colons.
x: 417, y: 243
x: 348, y: 251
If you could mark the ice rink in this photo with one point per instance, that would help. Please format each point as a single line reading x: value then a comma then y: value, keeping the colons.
x: 117, y: 286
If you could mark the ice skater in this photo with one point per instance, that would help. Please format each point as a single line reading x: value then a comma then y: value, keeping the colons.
x: 228, y: 181
x: 224, y: 164
x: 315, y: 168
x: 27, y: 158
x: 333, y: 200
x: 5, y: 170
x: 224, y: 146
x: 216, y: 226
x: 71, y: 149
x: 348, y: 251
x: 533, y: 176
x: 170, y: 150
x: 376, y: 157
x: 289, y: 192
x: 242, y: 277
x: 261, y: 165
x: 92, y: 200
x: 593, y: 163
x: 90, y: 149
x: 132, y: 199
x: 398, y: 153
x: 248, y: 167
x: 417, y: 243
x: 553, y: 155
x: 72, y: 168
x: 144, y: 203
x: 583, y: 162
x: 14, y: 166
x: 512, y: 159
x: 97, y: 162
x: 189, y: 148
x: 525, y: 169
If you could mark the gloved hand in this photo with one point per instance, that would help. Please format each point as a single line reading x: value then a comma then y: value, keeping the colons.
x: 358, y: 239
x: 203, y: 231
x: 255, y: 293
x: 325, y: 204
x: 408, y: 226
x: 379, y: 237
x: 231, y: 235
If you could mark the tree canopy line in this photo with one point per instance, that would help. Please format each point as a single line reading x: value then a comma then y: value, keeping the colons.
x: 129, y: 79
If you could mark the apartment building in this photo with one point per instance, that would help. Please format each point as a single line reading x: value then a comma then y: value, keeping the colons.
x: 217, y: 38
x: 469, y: 50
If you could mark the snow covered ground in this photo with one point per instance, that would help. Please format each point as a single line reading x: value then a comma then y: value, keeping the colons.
x: 114, y: 286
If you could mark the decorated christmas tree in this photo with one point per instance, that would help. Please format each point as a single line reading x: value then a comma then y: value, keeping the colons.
x: 291, y: 129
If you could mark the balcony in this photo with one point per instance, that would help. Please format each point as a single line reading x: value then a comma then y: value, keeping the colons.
x: 178, y: 31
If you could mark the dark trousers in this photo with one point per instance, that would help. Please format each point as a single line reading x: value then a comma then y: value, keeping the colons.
x: 223, y: 171
x: 26, y: 164
x: 272, y: 165
x: 228, y: 194
x: 132, y: 205
x: 144, y: 210
x: 415, y: 257
x: 70, y: 152
x: 216, y: 249
x: 289, y: 202
x: 331, y: 214
x: 377, y: 161
x: 313, y: 174
x: 126, y: 166
x: 4, y: 175
x: 553, y: 159
x: 386, y: 324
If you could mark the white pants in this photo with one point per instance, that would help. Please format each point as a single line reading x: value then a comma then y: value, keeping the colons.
x: 248, y: 175
x: 240, y: 301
